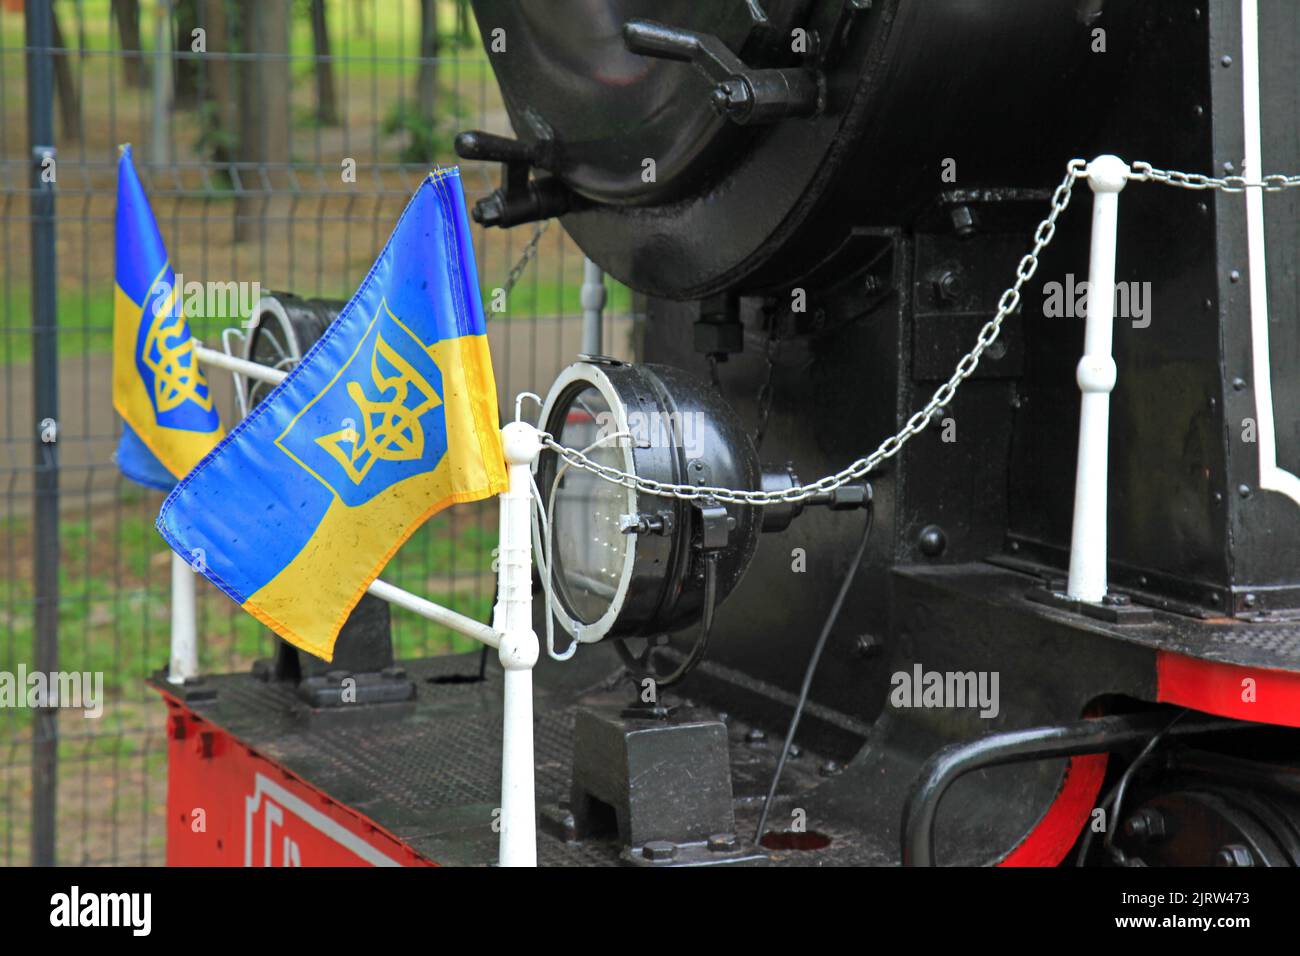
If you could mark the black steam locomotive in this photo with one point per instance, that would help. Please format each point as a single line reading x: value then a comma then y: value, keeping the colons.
x: 821, y: 204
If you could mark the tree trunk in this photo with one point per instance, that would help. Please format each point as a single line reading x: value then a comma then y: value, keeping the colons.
x: 64, y: 88
x: 127, y: 14
x: 463, y: 17
x: 263, y: 108
x: 326, y: 104
x: 220, y: 91
x: 185, y: 68
x: 426, y: 86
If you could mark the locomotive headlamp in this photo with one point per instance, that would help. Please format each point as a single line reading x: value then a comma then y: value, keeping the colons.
x: 627, y: 563
x: 281, y: 328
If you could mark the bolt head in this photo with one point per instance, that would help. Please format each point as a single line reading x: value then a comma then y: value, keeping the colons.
x: 1147, y: 824
x: 948, y: 286
x: 723, y: 842
x: 1234, y: 854
x: 659, y: 850
x: 867, y: 646
x: 963, y: 221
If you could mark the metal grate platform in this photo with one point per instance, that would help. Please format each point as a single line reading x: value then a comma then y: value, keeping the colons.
x: 429, y: 771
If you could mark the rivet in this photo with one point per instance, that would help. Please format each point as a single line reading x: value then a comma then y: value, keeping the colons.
x: 932, y: 541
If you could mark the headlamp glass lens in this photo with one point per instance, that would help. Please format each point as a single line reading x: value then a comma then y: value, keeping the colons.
x: 590, y: 552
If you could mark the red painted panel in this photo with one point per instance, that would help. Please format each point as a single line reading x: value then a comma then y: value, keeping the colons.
x: 228, y: 806
x: 1229, y: 690
x: 1047, y: 843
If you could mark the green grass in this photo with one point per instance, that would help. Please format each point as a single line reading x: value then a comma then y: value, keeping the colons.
x: 114, y: 611
x: 85, y: 320
x: 546, y: 297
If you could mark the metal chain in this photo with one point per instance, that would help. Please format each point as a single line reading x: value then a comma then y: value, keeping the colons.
x: 1145, y: 172
x: 1076, y: 169
x: 529, y: 254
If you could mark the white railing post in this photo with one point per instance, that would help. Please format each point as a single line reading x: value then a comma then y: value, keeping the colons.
x: 185, y: 639
x: 1096, y: 374
x: 513, y: 617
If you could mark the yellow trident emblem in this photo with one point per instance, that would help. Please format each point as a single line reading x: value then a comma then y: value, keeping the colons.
x: 392, y: 431
x: 169, y: 354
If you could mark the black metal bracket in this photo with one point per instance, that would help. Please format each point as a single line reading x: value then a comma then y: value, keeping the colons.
x: 717, y: 523
x: 743, y: 95
x: 521, y: 198
x: 718, y: 331
x: 363, y: 670
x: 1114, y: 608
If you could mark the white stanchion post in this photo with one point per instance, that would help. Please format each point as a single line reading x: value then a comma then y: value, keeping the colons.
x: 1096, y: 375
x: 185, y: 639
x: 519, y: 649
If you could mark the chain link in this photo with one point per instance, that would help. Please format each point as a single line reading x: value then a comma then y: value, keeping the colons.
x: 1145, y: 172
x: 529, y: 254
x: 1009, y: 302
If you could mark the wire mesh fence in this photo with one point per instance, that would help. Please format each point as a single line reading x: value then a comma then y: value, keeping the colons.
x: 278, y: 140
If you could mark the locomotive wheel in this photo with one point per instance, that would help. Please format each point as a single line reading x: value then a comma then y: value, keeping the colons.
x: 1211, y: 826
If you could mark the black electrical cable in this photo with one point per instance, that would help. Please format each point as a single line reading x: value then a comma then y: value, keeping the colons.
x: 641, y: 667
x: 1116, y: 797
x: 812, y: 670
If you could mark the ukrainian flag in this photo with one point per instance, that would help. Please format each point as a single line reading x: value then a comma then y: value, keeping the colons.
x: 158, y: 387
x: 390, y: 418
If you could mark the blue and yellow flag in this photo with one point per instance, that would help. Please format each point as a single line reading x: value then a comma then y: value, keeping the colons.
x: 388, y: 419
x: 158, y: 387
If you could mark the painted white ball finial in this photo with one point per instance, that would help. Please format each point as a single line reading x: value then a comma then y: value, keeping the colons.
x: 1108, y: 174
